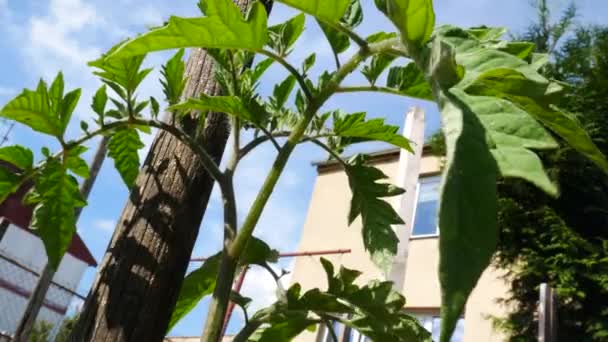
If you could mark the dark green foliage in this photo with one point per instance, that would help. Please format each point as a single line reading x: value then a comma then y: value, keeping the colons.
x: 377, y: 215
x: 41, y: 332
x: 375, y: 310
x: 563, y: 241
x: 63, y: 335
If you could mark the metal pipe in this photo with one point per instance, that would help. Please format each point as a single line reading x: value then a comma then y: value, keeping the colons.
x: 297, y: 254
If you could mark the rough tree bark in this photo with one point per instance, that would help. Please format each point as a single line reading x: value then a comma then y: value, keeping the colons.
x: 28, y: 319
x: 136, y: 289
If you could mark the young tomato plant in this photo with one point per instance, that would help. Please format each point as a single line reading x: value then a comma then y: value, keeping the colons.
x: 496, y: 111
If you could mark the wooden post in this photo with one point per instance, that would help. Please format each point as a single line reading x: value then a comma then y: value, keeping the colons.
x: 547, y: 314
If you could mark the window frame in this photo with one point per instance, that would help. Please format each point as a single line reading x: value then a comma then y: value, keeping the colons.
x: 414, y: 212
x: 433, y: 314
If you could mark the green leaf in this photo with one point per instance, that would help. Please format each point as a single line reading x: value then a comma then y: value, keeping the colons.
x: 377, y: 65
x: 196, y: 286
x: 260, y: 68
x: 239, y: 299
x: 485, y: 33
x: 308, y: 63
x: 330, y: 11
x: 117, y: 88
x: 224, y: 27
x: 231, y: 105
x: 9, y: 183
x: 53, y: 216
x: 68, y: 104
x: 486, y: 135
x: 174, y: 80
x: 377, y: 215
x: 155, y: 107
x: 123, y: 147
x: 114, y: 114
x: 140, y: 106
x: 257, y: 252
x: 354, y: 126
x: 123, y: 75
x: 522, y: 50
x: 43, y: 110
x: 17, y: 155
x: 415, y: 19
x: 283, y: 331
x: 524, y: 164
x: 75, y: 163
x: 282, y: 91
x: 353, y: 16
x: 410, y: 81
x: 375, y: 310
x: 468, y: 202
x: 380, y: 36
x: 100, y: 99
x: 32, y: 109
x: 283, y: 36
x: 339, y: 41
x: 535, y: 97
x: 539, y: 60
x: 56, y: 93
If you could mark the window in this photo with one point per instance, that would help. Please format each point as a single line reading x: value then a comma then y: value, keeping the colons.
x: 427, y: 207
x: 326, y: 335
x: 432, y: 324
x: 344, y: 334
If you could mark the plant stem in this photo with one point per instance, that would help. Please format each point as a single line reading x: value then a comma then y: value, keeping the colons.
x: 330, y: 151
x: 247, y: 331
x: 260, y: 140
x: 292, y: 70
x: 221, y: 295
x: 184, y: 137
x: 376, y: 89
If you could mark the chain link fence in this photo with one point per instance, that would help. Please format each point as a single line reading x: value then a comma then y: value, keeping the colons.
x: 17, y: 282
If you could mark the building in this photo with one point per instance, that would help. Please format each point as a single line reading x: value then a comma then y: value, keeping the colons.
x: 415, y: 268
x: 22, y: 259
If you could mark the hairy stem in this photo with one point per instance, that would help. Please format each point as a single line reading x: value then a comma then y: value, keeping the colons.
x: 292, y: 70
x: 376, y: 89
x: 184, y: 137
x: 331, y: 152
x: 221, y: 296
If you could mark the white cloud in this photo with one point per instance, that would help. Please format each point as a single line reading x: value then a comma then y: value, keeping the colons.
x: 55, y: 34
x: 105, y: 225
x: 261, y: 287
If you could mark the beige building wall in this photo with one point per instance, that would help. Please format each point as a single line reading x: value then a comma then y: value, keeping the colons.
x: 326, y: 228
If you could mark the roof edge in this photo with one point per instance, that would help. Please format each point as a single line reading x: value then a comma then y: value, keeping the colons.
x: 376, y: 156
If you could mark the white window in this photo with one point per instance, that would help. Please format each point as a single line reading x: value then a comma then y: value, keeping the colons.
x: 427, y: 207
x: 344, y: 334
x: 338, y: 329
x: 356, y: 336
x: 432, y: 323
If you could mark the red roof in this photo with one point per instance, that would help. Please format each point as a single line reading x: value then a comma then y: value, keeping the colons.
x: 20, y: 215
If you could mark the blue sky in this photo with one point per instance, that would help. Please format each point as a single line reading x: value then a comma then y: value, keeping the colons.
x: 40, y: 38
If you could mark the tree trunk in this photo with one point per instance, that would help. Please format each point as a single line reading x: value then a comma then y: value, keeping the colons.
x: 136, y: 289
x: 28, y: 319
